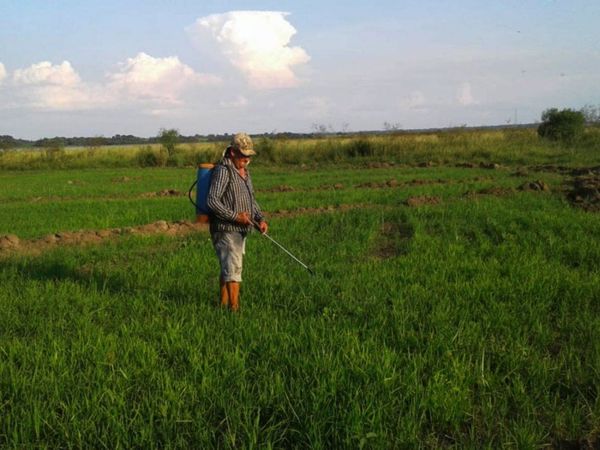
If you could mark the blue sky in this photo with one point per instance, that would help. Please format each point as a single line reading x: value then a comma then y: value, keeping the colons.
x: 85, y: 68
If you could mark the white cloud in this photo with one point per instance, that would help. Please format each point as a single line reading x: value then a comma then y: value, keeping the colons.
x: 464, y: 95
x: 55, y: 87
x: 57, y: 97
x: 44, y: 73
x: 2, y: 72
x: 160, y: 79
x: 257, y: 44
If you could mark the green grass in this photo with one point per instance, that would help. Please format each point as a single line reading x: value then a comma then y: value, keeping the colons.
x: 37, y: 203
x: 473, y: 323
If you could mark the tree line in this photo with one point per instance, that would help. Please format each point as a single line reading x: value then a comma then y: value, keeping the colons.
x: 557, y: 125
x: 8, y: 142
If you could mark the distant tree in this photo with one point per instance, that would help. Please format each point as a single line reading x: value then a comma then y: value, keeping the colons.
x: 169, y: 140
x: 97, y: 141
x: 564, y: 126
x: 319, y: 128
x: 126, y: 139
x: 7, y: 143
x: 54, y: 147
x: 591, y: 113
x: 387, y: 126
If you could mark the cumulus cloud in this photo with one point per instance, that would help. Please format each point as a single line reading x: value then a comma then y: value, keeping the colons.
x: 144, y: 77
x: 464, y: 95
x: 257, y: 44
x: 55, y: 87
x: 159, y: 82
x: 45, y: 73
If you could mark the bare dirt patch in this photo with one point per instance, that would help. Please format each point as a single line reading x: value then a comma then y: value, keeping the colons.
x: 591, y: 442
x: 421, y: 182
x: 564, y: 170
x: 10, y: 243
x: 470, y: 165
x: 497, y: 191
x: 537, y: 185
x: 585, y: 192
x: 422, y: 200
x: 380, y: 165
x: 552, y: 168
x: 281, y: 188
x: 378, y: 185
x: 392, y: 183
x: 163, y: 193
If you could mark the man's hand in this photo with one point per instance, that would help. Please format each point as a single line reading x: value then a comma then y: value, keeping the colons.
x: 263, y: 227
x: 243, y: 218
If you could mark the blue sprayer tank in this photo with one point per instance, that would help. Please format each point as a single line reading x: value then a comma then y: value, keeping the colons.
x: 202, y: 186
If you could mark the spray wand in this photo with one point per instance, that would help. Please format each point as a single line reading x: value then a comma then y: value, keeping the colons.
x: 283, y: 248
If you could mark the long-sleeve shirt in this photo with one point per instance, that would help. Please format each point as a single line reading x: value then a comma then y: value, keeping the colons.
x: 230, y: 194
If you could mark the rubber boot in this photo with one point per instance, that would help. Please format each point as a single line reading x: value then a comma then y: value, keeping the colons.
x: 224, y: 293
x: 233, y: 288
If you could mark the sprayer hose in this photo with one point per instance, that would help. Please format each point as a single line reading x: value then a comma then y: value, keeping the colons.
x: 190, y: 193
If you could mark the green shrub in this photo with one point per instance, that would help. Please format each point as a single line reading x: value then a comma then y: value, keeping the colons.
x: 147, y: 157
x: 265, y: 147
x: 360, y: 147
x: 205, y: 155
x: 177, y: 159
x: 563, y: 126
x: 169, y: 140
x: 55, y: 149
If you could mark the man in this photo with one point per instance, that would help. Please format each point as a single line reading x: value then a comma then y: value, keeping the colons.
x: 234, y: 214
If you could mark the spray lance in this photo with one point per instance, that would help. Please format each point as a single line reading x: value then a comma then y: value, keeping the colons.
x: 283, y: 248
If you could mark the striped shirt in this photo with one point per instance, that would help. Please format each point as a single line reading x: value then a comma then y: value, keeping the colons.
x: 230, y: 194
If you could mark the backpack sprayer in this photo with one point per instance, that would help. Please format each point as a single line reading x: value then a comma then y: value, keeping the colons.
x: 202, y: 184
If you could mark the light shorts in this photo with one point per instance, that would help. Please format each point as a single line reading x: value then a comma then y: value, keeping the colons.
x: 230, y: 247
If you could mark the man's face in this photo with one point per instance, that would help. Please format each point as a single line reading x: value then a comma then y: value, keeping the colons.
x: 240, y: 161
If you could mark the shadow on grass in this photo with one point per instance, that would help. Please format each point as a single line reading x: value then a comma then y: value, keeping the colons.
x: 118, y: 282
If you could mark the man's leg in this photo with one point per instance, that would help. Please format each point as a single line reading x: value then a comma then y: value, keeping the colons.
x: 224, y: 292
x: 236, y: 254
x: 233, y: 289
x: 230, y: 248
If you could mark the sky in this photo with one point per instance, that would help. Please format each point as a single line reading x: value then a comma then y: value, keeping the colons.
x: 100, y: 68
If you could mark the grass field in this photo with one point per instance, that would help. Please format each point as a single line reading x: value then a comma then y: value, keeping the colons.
x: 449, y: 309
